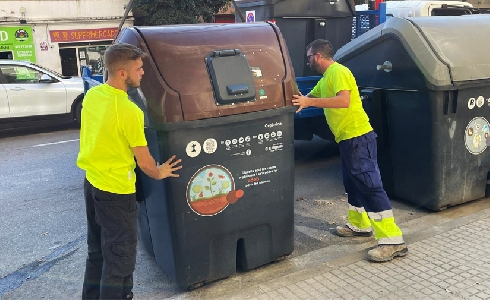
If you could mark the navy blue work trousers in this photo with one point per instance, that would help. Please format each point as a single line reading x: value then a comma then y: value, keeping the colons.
x: 361, y: 176
x: 111, y: 239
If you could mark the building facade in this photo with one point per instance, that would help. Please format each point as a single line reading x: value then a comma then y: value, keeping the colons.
x: 61, y: 35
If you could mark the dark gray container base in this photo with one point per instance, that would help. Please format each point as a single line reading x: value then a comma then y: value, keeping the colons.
x: 194, y: 248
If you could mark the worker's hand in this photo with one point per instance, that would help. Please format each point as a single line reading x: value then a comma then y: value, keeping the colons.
x: 301, y: 101
x: 169, y: 167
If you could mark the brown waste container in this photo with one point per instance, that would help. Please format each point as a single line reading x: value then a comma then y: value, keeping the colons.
x: 219, y: 97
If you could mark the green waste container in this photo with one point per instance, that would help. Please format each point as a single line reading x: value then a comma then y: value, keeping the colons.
x: 426, y: 86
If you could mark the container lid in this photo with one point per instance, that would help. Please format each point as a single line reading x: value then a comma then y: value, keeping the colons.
x: 448, y: 50
x: 201, y: 71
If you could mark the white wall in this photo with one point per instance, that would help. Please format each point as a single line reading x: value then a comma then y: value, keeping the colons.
x: 46, y: 15
x: 50, y: 59
x: 36, y: 10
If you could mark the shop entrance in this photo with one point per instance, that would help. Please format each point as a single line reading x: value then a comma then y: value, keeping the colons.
x: 76, y: 55
x: 69, y: 61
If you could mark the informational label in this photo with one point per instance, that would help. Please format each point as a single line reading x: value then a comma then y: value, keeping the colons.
x: 258, y: 176
x: 477, y: 135
x: 238, y: 165
x: 269, y: 139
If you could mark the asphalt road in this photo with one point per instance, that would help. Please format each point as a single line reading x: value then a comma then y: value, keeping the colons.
x: 43, y: 222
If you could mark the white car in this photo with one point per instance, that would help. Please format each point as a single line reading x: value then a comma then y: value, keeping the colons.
x: 32, y: 94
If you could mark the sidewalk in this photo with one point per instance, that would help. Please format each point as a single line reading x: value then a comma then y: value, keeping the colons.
x: 449, y: 258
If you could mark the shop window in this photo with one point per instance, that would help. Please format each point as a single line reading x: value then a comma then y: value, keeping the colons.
x: 93, y: 58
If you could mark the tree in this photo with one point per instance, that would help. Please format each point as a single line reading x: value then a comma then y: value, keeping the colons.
x: 163, y: 12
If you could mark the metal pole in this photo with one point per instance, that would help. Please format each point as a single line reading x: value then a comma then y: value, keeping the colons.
x: 242, y: 18
x: 126, y: 12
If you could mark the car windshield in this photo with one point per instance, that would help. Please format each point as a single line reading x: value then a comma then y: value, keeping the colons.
x: 54, y: 72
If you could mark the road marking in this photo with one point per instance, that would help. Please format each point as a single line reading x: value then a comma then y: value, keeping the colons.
x: 56, y: 143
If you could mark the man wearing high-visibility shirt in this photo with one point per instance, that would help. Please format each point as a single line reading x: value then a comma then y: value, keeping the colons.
x: 111, y: 137
x: 369, y: 207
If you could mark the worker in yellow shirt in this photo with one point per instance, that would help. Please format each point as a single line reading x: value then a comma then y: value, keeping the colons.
x: 111, y: 137
x: 369, y: 207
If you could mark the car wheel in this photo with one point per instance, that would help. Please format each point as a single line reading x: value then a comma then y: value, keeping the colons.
x: 78, y: 110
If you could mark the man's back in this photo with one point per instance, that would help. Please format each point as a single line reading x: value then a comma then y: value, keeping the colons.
x: 111, y: 125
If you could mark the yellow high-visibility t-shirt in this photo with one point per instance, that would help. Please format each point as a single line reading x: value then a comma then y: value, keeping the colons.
x: 345, y: 123
x: 111, y: 126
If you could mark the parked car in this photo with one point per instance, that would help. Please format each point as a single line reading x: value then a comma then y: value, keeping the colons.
x: 31, y: 94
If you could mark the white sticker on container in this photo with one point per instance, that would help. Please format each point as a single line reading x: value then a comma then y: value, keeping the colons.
x: 476, y: 135
x: 256, y: 72
x: 210, y: 146
x: 480, y: 101
x: 471, y: 103
x: 193, y: 149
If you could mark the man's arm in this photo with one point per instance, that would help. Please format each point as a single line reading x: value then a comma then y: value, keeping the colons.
x: 341, y: 100
x: 147, y: 164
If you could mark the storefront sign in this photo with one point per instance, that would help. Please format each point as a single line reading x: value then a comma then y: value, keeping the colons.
x: 62, y: 36
x: 19, y: 41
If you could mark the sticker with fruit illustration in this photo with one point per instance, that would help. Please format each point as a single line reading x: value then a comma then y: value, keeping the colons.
x: 477, y: 135
x: 211, y: 189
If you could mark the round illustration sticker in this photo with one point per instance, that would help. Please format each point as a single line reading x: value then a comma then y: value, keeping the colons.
x: 193, y: 149
x: 211, y: 189
x: 480, y: 101
x: 476, y: 135
x: 210, y: 146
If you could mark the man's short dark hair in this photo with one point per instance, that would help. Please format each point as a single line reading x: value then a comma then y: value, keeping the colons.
x: 118, y: 55
x: 323, y: 47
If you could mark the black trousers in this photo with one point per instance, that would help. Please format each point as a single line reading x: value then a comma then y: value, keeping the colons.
x: 111, y: 239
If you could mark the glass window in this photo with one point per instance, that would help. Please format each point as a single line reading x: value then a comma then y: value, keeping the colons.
x: 93, y: 57
x: 20, y: 74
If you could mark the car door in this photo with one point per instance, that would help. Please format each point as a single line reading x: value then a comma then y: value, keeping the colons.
x: 29, y: 97
x: 4, y: 104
